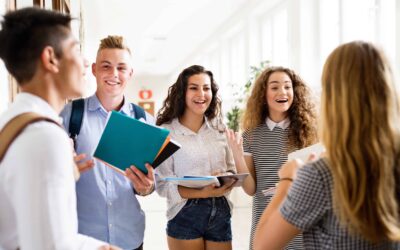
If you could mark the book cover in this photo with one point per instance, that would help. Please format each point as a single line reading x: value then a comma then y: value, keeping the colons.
x: 126, y: 141
x: 171, y: 147
x: 238, y: 177
x: 304, y: 153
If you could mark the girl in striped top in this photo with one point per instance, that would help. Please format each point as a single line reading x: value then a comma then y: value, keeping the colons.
x: 279, y: 118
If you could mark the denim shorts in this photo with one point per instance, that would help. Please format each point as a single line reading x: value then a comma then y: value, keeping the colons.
x: 208, y: 218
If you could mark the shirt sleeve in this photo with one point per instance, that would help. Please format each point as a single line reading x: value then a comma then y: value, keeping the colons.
x: 150, y: 119
x: 307, y: 200
x: 164, y: 188
x: 230, y: 162
x: 66, y: 115
x: 44, y: 197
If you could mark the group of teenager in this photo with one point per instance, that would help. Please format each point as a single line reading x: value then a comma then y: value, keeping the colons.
x: 54, y: 196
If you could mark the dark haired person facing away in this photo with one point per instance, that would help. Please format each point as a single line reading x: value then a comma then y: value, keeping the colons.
x: 37, y: 184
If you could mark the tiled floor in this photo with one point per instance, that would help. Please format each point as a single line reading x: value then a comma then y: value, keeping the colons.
x: 155, y: 207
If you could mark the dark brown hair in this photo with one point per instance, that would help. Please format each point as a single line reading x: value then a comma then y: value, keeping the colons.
x: 174, y: 105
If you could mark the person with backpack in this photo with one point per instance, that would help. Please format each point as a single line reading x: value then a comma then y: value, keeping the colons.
x: 107, y: 205
x: 37, y: 170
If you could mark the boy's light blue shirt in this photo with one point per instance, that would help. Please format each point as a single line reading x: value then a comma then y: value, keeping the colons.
x: 107, y: 206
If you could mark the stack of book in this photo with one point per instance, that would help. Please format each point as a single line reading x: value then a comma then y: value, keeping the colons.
x: 202, y: 181
x: 126, y: 141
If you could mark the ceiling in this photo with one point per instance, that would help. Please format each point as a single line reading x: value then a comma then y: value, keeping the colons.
x: 161, y: 33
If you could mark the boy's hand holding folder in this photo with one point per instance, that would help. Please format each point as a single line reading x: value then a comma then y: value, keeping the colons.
x: 126, y: 141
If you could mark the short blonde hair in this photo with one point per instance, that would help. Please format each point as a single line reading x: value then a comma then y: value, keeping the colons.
x: 113, y: 42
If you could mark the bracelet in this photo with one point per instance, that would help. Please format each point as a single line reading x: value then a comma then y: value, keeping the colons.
x: 285, y: 179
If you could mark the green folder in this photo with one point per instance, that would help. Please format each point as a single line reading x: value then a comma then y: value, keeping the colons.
x: 126, y: 141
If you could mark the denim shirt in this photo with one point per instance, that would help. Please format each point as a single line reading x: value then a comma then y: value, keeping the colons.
x: 107, y: 206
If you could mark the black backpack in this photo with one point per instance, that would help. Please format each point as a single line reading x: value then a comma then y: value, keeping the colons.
x: 78, y: 107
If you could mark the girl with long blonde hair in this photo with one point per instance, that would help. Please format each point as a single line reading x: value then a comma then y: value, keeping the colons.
x: 349, y: 198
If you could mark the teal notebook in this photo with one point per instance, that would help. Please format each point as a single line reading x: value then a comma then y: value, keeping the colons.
x: 126, y: 141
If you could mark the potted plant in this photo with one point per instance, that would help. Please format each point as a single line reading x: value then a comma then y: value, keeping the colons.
x: 235, y: 113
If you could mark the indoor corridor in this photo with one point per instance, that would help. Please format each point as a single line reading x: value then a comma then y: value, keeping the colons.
x: 155, y: 207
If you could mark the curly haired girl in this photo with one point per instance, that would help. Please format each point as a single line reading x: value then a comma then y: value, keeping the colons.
x: 279, y: 118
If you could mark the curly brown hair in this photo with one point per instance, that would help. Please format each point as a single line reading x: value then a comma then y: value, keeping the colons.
x: 302, y: 115
x: 174, y: 105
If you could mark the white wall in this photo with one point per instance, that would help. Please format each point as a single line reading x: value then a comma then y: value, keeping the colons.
x: 157, y: 84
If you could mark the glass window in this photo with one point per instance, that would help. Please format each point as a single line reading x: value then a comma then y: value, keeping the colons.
x: 214, y: 64
x: 238, y: 67
x: 274, y: 35
x: 359, y: 20
x: 329, y: 26
x: 266, y: 38
x: 386, y: 27
x: 369, y: 20
x: 280, y: 38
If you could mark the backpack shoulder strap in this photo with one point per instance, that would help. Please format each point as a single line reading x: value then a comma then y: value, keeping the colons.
x: 139, y: 112
x: 15, y: 126
x: 75, y: 121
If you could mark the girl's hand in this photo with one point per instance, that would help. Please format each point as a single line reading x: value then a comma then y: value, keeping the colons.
x: 235, y: 142
x: 289, y: 169
x: 213, y: 191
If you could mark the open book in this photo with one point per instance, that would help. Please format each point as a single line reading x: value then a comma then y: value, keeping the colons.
x: 303, y: 153
x: 202, y: 181
x: 126, y: 141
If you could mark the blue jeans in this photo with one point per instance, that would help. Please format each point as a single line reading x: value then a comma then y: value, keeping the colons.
x: 208, y: 218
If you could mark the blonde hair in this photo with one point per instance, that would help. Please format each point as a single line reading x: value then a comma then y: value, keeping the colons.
x: 360, y: 130
x: 113, y: 42
x: 303, y: 131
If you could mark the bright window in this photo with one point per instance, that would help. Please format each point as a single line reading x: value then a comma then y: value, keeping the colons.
x: 329, y: 26
x: 348, y: 20
x: 280, y: 39
x: 275, y: 47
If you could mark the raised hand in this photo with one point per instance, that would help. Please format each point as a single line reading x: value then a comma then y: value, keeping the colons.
x: 235, y: 142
